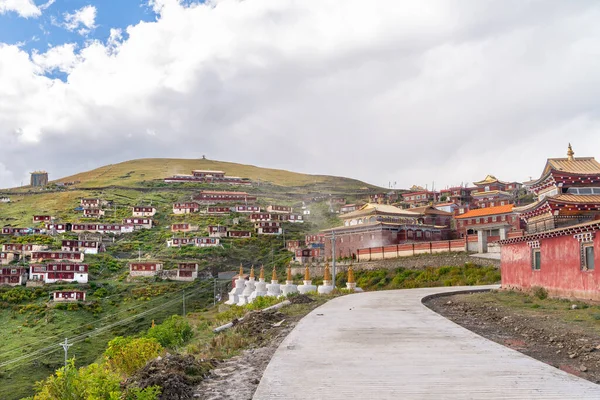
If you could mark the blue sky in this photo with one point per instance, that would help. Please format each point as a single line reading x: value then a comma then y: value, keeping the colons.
x: 39, y: 33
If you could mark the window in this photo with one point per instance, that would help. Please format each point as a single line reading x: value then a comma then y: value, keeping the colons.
x: 537, y: 259
x: 587, y: 256
x: 494, y: 218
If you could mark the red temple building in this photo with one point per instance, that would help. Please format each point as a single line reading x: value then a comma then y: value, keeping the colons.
x: 560, y: 250
x: 377, y: 225
x: 492, y: 192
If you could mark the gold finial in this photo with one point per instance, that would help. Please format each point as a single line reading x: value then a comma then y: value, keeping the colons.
x: 289, y: 272
x: 327, y: 274
x: 252, y: 272
x: 570, y: 153
x: 262, y: 272
x: 153, y: 324
x: 241, y: 270
x: 274, y: 276
x: 306, y: 273
x: 350, y: 274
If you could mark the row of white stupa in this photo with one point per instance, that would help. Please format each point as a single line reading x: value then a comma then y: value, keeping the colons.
x: 245, y: 291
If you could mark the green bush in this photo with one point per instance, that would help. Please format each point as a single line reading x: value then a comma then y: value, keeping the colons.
x: 94, y: 382
x: 126, y: 355
x: 172, y: 333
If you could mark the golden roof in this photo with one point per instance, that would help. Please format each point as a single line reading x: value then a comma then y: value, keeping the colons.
x: 490, y: 192
x: 562, y: 198
x: 580, y: 165
x: 379, y: 209
x: 488, y: 180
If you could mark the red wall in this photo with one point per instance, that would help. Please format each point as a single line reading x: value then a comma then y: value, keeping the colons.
x: 560, y: 271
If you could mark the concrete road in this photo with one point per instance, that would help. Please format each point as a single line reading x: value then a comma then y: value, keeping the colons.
x: 388, y: 345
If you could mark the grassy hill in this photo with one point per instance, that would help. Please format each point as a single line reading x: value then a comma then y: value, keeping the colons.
x: 135, y: 172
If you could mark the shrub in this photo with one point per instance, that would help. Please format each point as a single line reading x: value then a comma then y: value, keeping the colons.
x: 126, y: 355
x: 540, y: 292
x: 173, y: 332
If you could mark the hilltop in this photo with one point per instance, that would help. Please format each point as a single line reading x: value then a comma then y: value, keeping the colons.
x: 137, y: 172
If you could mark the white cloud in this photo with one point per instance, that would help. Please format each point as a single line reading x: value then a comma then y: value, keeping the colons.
x: 25, y: 8
x: 61, y: 57
x: 46, y: 5
x: 82, y: 20
x: 427, y: 91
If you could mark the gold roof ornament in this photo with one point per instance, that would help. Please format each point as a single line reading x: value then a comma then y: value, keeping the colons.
x: 289, y: 272
x: 241, y: 270
x: 252, y: 272
x: 274, y: 276
x: 327, y: 274
x: 262, y: 272
x: 350, y: 274
x: 570, y: 153
x: 306, y: 273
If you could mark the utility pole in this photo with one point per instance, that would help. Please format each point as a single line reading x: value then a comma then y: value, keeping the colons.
x: 66, y: 346
x: 184, y: 302
x: 215, y: 292
x: 333, y: 257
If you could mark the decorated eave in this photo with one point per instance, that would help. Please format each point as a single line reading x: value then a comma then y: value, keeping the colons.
x: 555, y: 205
x: 491, y: 193
x: 562, y: 178
x: 572, y: 230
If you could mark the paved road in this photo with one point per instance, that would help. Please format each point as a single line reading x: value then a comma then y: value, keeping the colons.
x: 387, y: 345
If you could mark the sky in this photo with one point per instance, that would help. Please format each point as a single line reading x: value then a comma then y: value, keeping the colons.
x: 404, y: 93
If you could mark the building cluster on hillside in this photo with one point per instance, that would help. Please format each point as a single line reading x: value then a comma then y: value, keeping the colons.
x: 208, y: 176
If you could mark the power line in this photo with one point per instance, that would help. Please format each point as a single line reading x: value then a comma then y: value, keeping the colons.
x: 49, y: 338
x: 79, y: 338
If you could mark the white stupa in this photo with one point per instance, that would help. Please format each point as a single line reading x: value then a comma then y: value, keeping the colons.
x: 307, y: 285
x: 236, y: 291
x: 250, y: 286
x: 260, y: 289
x: 327, y: 286
x: 289, y: 286
x: 274, y: 288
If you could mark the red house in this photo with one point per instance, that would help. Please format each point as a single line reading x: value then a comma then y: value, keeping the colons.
x: 144, y: 268
x: 13, y: 276
x: 247, y: 209
x: 308, y: 255
x: 239, y: 234
x: 456, y: 194
x: 268, y: 228
x: 314, y: 239
x: 279, y: 209
x: 216, y: 210
x: 93, y: 213
x: 562, y: 260
x: 292, y: 245
x: 183, y: 227
x: 185, y: 208
x: 6, y: 258
x: 40, y: 256
x: 42, y: 218
x: 139, y: 223
x: 143, y: 211
x: 57, y: 228
x: 420, y: 197
x: 60, y: 272
x: 211, y: 196
x: 85, y: 246
x: 187, y: 271
x: 68, y: 295
x: 217, y: 231
x: 256, y: 217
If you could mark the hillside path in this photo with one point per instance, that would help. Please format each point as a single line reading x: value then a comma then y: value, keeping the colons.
x: 388, y: 345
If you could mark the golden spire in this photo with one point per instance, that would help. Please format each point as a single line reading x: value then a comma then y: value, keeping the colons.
x: 306, y: 273
x: 252, y: 272
x: 262, y: 272
x: 241, y: 270
x: 570, y: 153
x: 289, y: 272
x: 274, y: 276
x: 350, y: 274
x: 327, y: 274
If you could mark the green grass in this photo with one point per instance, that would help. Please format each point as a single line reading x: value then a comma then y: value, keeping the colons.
x: 134, y: 172
x: 28, y: 327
